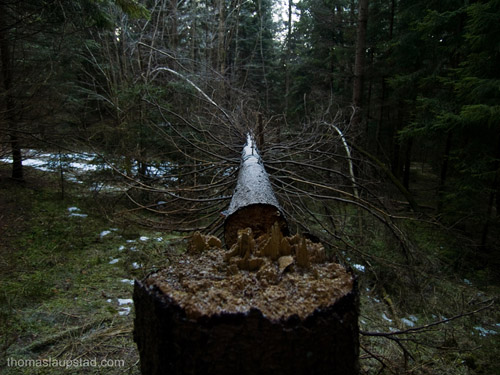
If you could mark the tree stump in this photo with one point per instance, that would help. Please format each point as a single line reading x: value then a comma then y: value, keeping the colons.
x: 271, y: 304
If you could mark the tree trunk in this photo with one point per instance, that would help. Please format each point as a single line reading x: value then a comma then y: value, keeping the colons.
x: 7, y: 78
x: 444, y: 171
x: 407, y: 164
x: 254, y: 204
x: 173, y: 33
x: 288, y: 58
x: 248, y: 343
x: 271, y: 305
x: 359, y: 63
x: 221, y: 42
x: 491, y: 199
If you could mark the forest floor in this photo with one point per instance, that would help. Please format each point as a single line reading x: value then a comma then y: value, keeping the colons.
x: 66, y: 275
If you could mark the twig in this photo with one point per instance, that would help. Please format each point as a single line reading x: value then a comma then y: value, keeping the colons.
x: 427, y: 326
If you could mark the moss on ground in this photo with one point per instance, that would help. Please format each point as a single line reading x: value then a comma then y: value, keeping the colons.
x: 67, y: 282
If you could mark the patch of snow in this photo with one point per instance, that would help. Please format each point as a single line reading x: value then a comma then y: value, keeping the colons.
x: 359, y: 267
x: 123, y: 301
x: 143, y: 238
x: 73, y: 209
x: 408, y: 322
x: 485, y: 332
x: 133, y: 248
x: 74, y: 214
x: 121, y: 248
x: 136, y: 265
x: 127, y: 281
x: 37, y: 163
x: 467, y: 281
x: 159, y: 239
x: 114, y: 261
x: 74, y: 179
x: 124, y: 311
x: 130, y: 241
x: 386, y: 318
x: 376, y: 300
x: 104, y: 233
x: 109, y: 300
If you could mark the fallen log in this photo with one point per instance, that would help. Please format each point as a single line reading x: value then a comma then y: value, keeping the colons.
x: 253, y: 204
x: 271, y: 304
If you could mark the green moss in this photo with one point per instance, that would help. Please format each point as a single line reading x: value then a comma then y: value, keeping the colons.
x: 59, y: 291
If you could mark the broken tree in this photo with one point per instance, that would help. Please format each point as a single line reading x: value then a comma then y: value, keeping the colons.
x: 254, y: 204
x: 272, y: 303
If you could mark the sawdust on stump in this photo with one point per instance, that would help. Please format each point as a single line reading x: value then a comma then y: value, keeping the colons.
x: 280, y: 276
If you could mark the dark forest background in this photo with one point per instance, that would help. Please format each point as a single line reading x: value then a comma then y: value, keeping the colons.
x: 414, y: 85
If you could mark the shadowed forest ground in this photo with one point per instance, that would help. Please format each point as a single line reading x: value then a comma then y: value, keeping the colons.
x: 68, y: 265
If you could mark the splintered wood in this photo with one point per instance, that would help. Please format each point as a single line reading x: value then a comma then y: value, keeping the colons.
x: 278, y: 275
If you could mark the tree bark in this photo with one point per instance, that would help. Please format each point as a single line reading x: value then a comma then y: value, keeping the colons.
x: 491, y: 199
x: 359, y: 63
x: 407, y: 164
x: 169, y: 342
x: 254, y: 204
x: 10, y: 107
x: 288, y: 57
x: 444, y: 172
x: 221, y: 40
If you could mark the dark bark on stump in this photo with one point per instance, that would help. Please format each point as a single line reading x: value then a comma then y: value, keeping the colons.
x: 170, y: 343
x: 254, y: 204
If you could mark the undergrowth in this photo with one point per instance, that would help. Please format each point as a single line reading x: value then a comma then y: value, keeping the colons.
x: 428, y: 312
x: 67, y: 279
x: 67, y: 270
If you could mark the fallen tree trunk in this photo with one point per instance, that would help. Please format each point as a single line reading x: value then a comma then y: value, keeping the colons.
x: 253, y: 204
x: 272, y: 304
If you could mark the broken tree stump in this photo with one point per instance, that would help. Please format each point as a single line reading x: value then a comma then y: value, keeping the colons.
x: 253, y: 204
x: 271, y: 304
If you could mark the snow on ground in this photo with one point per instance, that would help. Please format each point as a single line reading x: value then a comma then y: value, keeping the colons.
x: 124, y: 311
x: 359, y: 267
x: 408, y: 322
x: 104, y: 233
x: 76, y: 165
x: 485, y: 332
x: 75, y: 212
x: 386, y: 318
x: 124, y: 301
